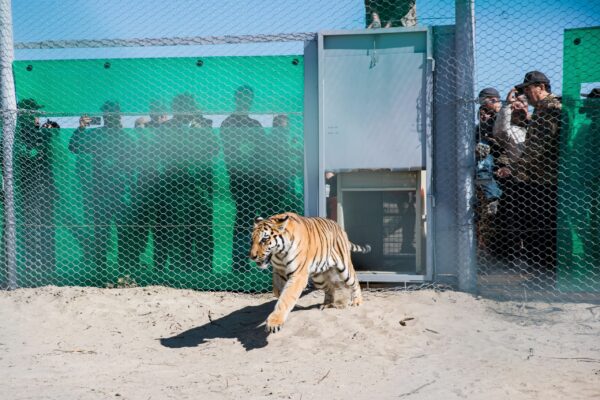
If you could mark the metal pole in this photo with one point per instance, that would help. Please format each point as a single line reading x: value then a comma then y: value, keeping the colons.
x: 9, y: 119
x: 312, y: 170
x: 465, y: 53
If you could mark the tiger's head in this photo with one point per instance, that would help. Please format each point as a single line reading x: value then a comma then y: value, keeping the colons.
x: 268, y: 238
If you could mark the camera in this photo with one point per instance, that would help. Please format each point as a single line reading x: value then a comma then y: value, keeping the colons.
x: 95, y: 121
x: 50, y: 124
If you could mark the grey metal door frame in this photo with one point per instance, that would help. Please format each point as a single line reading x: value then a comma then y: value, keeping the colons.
x: 315, y: 131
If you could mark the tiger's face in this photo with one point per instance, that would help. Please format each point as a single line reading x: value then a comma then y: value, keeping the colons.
x: 267, y: 239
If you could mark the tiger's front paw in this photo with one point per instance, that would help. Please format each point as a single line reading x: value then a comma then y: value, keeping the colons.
x: 357, y: 301
x: 274, y: 323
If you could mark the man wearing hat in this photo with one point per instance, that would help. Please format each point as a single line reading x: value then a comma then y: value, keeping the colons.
x: 36, y: 191
x: 489, y: 106
x: 490, y: 96
x: 104, y: 191
x: 488, y: 192
x: 537, y: 172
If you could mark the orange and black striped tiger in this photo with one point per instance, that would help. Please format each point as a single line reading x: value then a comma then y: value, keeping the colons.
x: 301, y: 247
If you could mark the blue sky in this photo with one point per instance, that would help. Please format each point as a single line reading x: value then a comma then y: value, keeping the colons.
x: 512, y: 37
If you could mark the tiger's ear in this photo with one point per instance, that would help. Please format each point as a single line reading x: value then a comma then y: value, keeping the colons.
x: 282, y: 222
x: 257, y: 220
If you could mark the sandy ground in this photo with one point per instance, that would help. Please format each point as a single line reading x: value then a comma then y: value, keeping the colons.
x: 162, y: 343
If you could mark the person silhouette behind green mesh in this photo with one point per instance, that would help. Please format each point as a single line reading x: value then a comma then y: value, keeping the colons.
x: 36, y: 191
x: 246, y: 151
x: 105, y: 191
x: 184, y: 226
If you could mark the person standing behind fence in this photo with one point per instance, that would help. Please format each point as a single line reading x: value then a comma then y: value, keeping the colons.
x: 489, y: 106
x: 390, y: 13
x: 510, y: 131
x: 105, y: 197
x: 486, y: 151
x: 145, y: 190
x: 537, y: 170
x: 287, y: 159
x: 184, y: 231
x: 37, y: 190
x: 488, y: 195
x: 246, y: 148
x: 510, y: 128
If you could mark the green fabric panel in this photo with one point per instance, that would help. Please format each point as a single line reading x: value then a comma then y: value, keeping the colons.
x: 579, y: 179
x: 75, y: 87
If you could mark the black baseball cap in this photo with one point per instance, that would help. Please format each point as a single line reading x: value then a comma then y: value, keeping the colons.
x: 533, y: 77
x: 488, y: 92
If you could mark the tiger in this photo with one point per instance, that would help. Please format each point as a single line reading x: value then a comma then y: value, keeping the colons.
x: 300, y: 248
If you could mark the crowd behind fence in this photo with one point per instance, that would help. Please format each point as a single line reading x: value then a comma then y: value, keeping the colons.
x: 142, y: 155
x: 101, y: 202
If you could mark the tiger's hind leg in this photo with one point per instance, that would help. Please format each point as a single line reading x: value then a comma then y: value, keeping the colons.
x: 334, y: 297
x: 356, y: 298
x: 321, y: 282
x: 347, y: 276
x: 329, y: 300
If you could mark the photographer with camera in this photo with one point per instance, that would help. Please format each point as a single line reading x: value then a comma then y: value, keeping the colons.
x: 537, y: 173
x: 51, y: 124
x: 509, y: 132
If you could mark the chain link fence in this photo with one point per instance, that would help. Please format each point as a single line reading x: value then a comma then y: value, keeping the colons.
x: 150, y: 134
x: 538, y: 123
x: 157, y: 183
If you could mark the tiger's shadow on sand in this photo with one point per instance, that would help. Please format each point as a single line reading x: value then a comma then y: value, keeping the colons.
x: 246, y: 325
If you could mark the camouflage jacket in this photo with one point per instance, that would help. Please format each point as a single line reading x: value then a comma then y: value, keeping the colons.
x: 539, y: 161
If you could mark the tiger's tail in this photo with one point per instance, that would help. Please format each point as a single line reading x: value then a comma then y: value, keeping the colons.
x: 354, y: 248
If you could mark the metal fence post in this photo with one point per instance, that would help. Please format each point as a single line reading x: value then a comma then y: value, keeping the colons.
x: 9, y: 119
x: 465, y: 53
x: 312, y: 171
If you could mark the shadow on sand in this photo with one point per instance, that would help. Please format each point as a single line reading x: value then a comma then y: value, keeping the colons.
x: 245, y: 325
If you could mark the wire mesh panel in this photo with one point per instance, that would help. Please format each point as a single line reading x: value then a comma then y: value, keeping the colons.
x: 158, y: 183
x: 535, y: 193
x: 578, y: 267
x: 150, y: 138
x: 150, y: 134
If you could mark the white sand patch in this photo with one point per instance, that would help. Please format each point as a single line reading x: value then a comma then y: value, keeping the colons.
x: 162, y: 343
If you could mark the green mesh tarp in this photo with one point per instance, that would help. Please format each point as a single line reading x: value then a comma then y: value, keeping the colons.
x: 579, y: 179
x: 135, y: 199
